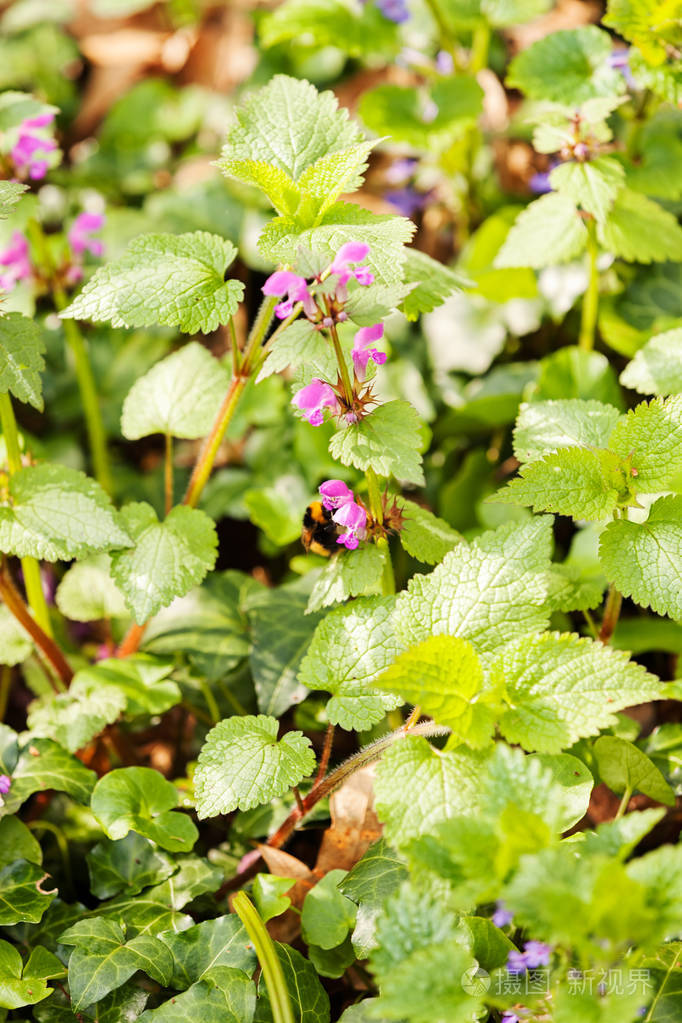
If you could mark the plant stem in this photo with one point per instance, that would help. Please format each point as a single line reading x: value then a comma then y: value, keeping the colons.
x: 131, y: 641
x: 234, y: 348
x: 5, y: 686
x: 45, y: 643
x: 343, y: 368
x: 446, y: 40
x: 29, y: 566
x: 627, y: 796
x: 280, y: 1003
x: 591, y: 298
x: 480, y: 46
x: 168, y: 474
x: 374, y: 493
x: 326, y: 753
x: 612, y: 608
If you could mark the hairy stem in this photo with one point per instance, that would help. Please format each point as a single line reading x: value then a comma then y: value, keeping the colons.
x: 326, y: 753
x: 590, y: 308
x: 280, y: 1003
x: 614, y: 601
x: 343, y: 368
x: 374, y: 493
x: 47, y: 646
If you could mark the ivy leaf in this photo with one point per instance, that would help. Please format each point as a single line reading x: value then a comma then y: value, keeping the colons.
x: 301, y: 345
x: 351, y: 647
x: 280, y: 633
x: 309, y: 1000
x: 387, y: 440
x: 651, y: 436
x: 593, y: 184
x: 624, y: 768
x: 58, y: 514
x: 140, y: 799
x: 17, y: 842
x: 348, y: 575
x: 126, y: 865
x: 21, y: 358
x: 22, y: 897
x: 327, y: 915
x: 644, y: 560
x: 569, y: 67
x: 444, y: 677
x: 269, y: 895
x: 657, y: 367
x: 561, y: 688
x: 641, y: 231
x: 87, y: 593
x: 27, y: 985
x: 168, y: 558
x: 242, y: 764
x: 375, y: 876
x: 44, y: 765
x: 219, y: 942
x: 223, y: 995
x: 179, y: 396
x: 545, y: 426
x: 75, y: 717
x: 548, y: 231
x: 102, y: 959
x: 166, y: 279
x: 423, y: 535
x: 488, y: 592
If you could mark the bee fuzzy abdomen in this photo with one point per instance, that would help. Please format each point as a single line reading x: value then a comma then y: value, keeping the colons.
x: 319, y: 533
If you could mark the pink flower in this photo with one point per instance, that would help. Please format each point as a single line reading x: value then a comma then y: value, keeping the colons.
x: 335, y: 493
x: 351, y: 252
x: 313, y: 399
x: 285, y: 282
x: 81, y: 231
x: 15, y: 259
x: 5, y: 783
x: 354, y: 518
x: 29, y: 151
x: 362, y: 354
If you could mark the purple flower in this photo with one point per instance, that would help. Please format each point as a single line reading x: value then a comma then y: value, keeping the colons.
x: 394, y: 10
x: 502, y: 916
x: 407, y: 201
x: 81, y: 231
x: 362, y: 354
x: 540, y: 183
x: 619, y: 60
x: 29, y: 151
x: 509, y: 1016
x: 401, y: 170
x: 335, y: 493
x: 444, y: 62
x: 351, y: 252
x: 285, y: 282
x: 15, y: 259
x: 354, y: 519
x: 516, y: 962
x: 537, y: 954
x: 313, y: 399
x: 5, y: 783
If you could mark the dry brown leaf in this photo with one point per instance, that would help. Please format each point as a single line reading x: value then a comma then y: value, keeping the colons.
x: 355, y: 825
x: 566, y: 14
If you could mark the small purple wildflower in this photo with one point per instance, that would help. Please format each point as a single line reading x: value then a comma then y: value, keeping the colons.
x: 401, y: 170
x: 509, y: 1016
x: 394, y: 10
x: 444, y: 62
x: 335, y: 493
x: 361, y: 353
x: 313, y: 399
x: 15, y: 258
x: 502, y: 916
x: 516, y: 962
x: 619, y: 60
x: 285, y: 282
x: 5, y: 784
x: 407, y: 201
x: 81, y: 232
x: 32, y: 146
x: 535, y: 953
x: 540, y: 183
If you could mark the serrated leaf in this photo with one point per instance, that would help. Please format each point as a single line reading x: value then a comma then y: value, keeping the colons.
x: 657, y: 367
x: 644, y: 560
x: 423, y: 535
x: 219, y: 942
x: 649, y: 24
x: 623, y: 767
x: 142, y: 682
x: 583, y: 483
x: 639, y: 230
x: 330, y: 176
x: 57, y: 514
x: 431, y: 283
x: 280, y: 633
x: 140, y: 799
x: 351, y: 647
x: 569, y: 67
x: 179, y: 396
x: 23, y: 899
x: 651, y: 437
x: 242, y: 764
x: 444, y: 677
x: 545, y: 426
x: 357, y: 573
x: 561, y: 688
x: 327, y: 915
x: 126, y: 865
x: 74, y: 718
x: 42, y: 765
x: 487, y: 592
x: 387, y: 440
x: 102, y: 959
x: 87, y: 592
x: 21, y: 358
x: 166, y: 279
x: 15, y: 642
x: 593, y: 184
x: 168, y: 558
x: 10, y: 194
x: 571, y: 590
x: 548, y: 231
x: 301, y: 345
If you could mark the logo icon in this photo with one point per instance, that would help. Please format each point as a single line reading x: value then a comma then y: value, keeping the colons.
x: 475, y: 981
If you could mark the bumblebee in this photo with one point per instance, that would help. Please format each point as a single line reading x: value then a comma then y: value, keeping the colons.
x: 319, y: 531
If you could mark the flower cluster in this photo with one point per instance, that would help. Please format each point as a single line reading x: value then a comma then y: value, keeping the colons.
x: 29, y: 152
x: 535, y: 953
x: 5, y: 784
x: 346, y: 512
x: 15, y: 264
x: 81, y: 240
x: 297, y: 289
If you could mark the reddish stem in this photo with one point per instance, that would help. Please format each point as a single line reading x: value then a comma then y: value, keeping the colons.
x: 47, y: 646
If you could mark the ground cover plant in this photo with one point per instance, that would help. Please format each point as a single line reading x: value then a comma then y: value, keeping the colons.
x: 405, y: 288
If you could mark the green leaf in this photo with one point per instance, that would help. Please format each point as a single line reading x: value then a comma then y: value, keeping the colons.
x: 502, y: 13
x: 172, y: 280
x: 417, y: 786
x: 102, y: 959
x: 10, y: 194
x: 15, y: 642
x: 624, y: 768
x: 488, y: 592
x: 548, y: 231
x: 335, y: 961
x: 128, y: 864
x: 168, y: 558
x: 179, y: 396
x: 561, y: 688
x: 351, y: 647
x: 219, y: 942
x: 444, y: 677
x: 351, y: 574
x: 21, y: 985
x: 657, y: 367
x: 593, y: 185
x: 423, y: 535
x: 357, y: 31
x: 387, y: 440
x: 583, y: 483
x: 280, y: 634
x: 546, y: 426
x: 242, y: 764
x: 17, y: 842
x: 649, y: 24
x: 21, y: 358
x: 140, y: 799
x: 301, y: 345
x: 327, y: 915
x: 569, y: 67
x: 42, y: 765
x: 269, y: 895
x: 223, y: 995
x: 644, y: 560
x: 22, y: 897
x: 309, y: 1000
x: 375, y: 876
x: 650, y: 436
x: 571, y: 372
x: 75, y: 717
x: 641, y: 231
x: 56, y: 514
x: 87, y: 592
x: 399, y: 111
x: 142, y: 681
x: 432, y: 282
x: 427, y: 985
